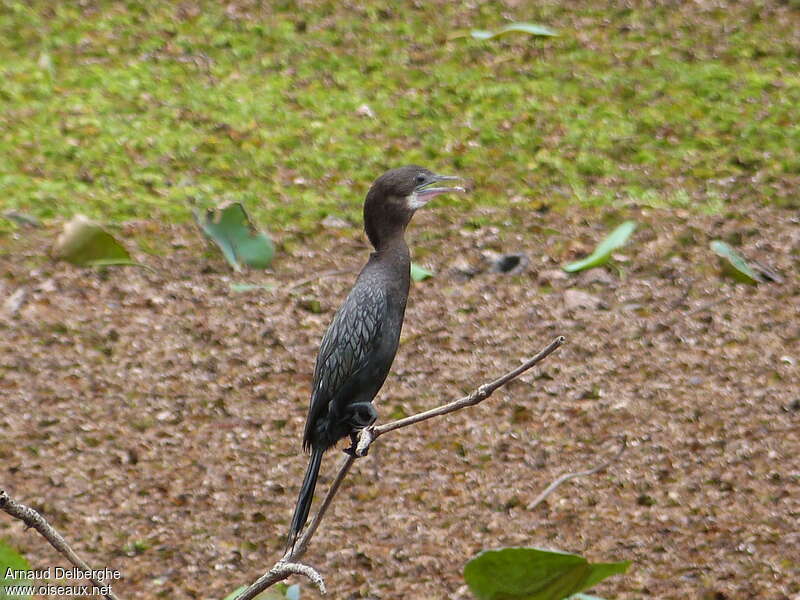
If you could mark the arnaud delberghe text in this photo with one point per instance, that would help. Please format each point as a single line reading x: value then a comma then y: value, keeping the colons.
x: 62, y: 573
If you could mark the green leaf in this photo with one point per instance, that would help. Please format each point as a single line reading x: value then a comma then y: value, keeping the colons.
x: 11, y: 559
x: 420, y: 273
x: 85, y: 243
x: 604, y: 249
x: 231, y: 229
x: 534, y: 574
x: 734, y: 265
x: 530, y: 28
x: 293, y: 592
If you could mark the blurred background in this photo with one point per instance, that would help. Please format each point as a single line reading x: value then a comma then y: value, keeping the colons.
x: 154, y: 415
x: 127, y: 109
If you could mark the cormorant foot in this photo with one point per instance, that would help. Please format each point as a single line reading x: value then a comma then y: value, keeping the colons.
x: 352, y: 449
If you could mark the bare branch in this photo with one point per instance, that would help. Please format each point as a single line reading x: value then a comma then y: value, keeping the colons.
x: 302, y: 545
x: 282, y: 570
x: 278, y: 572
x: 477, y: 396
x: 33, y: 519
x: 301, y: 569
x: 566, y: 477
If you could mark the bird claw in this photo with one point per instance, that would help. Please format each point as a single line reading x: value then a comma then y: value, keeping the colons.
x: 352, y: 450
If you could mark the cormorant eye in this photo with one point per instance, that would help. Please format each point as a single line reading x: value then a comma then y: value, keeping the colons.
x: 419, y: 179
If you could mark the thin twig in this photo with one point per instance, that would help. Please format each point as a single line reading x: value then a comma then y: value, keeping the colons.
x: 33, y: 519
x: 278, y: 572
x: 302, y: 545
x: 566, y: 477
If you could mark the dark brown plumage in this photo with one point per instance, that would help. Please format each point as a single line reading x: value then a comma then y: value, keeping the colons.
x: 360, y: 344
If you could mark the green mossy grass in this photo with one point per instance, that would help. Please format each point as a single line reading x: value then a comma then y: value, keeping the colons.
x: 131, y: 110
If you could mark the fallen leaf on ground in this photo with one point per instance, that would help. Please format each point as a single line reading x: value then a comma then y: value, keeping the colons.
x: 234, y: 233
x: 602, y: 253
x: 529, y: 28
x: 85, y: 243
x: 734, y: 265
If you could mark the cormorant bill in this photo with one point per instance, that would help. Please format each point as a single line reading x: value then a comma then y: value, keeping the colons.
x: 360, y: 344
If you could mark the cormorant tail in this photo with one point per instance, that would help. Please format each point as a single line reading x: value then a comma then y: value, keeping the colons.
x: 305, y: 497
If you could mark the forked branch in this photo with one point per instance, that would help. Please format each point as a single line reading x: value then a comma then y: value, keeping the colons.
x: 287, y: 566
x: 33, y: 519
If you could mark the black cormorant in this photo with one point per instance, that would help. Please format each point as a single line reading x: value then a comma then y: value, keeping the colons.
x: 360, y: 344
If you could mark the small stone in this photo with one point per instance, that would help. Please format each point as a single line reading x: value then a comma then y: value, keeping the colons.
x: 598, y: 275
x: 14, y: 302
x: 365, y: 111
x: 551, y: 276
x: 48, y: 286
x: 575, y: 299
x: 464, y: 268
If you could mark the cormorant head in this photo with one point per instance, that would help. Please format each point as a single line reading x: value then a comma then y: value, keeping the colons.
x: 396, y: 195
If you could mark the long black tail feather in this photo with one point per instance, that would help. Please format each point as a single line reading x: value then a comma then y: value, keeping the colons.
x: 305, y: 497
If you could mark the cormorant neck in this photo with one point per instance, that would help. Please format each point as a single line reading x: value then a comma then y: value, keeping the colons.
x: 392, y: 243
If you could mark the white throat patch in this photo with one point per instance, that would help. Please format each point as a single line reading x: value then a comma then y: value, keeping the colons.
x: 414, y: 202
